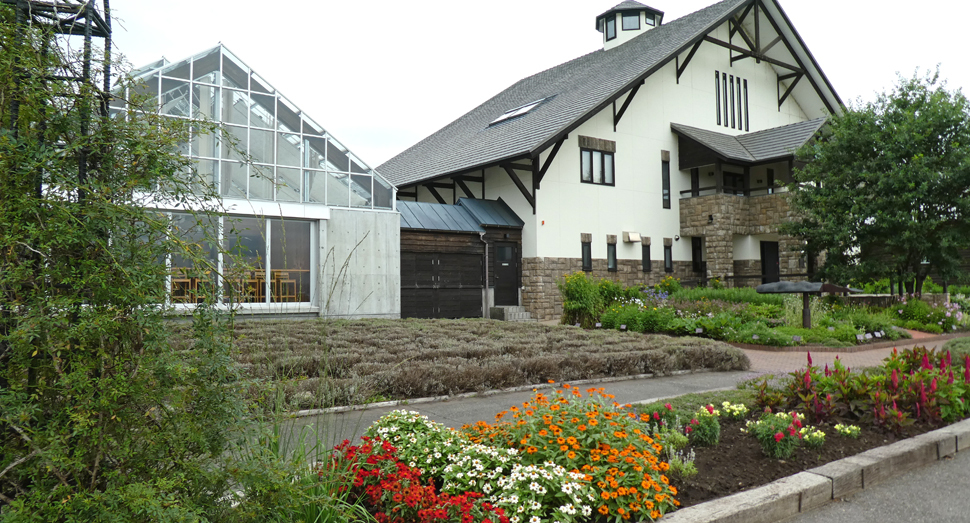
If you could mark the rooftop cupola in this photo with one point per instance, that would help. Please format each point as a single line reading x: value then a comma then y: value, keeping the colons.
x: 625, y: 21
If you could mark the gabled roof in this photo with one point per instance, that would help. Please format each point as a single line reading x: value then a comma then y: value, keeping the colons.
x: 761, y: 146
x: 468, y: 216
x: 628, y: 5
x: 575, y: 91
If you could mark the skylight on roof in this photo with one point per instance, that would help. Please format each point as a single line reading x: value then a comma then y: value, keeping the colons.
x: 518, y: 111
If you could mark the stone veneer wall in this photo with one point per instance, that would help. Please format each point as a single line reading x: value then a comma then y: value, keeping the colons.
x: 718, y: 218
x: 540, y: 295
x: 748, y: 268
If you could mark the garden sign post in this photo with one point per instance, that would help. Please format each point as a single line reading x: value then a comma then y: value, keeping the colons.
x: 805, y: 288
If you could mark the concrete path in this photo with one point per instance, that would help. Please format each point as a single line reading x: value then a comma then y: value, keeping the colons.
x: 763, y: 361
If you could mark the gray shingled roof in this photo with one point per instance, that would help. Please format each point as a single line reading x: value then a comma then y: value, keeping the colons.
x: 581, y: 88
x: 468, y: 216
x: 626, y: 5
x: 770, y: 144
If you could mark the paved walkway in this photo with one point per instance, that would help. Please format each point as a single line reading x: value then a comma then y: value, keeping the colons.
x: 763, y: 361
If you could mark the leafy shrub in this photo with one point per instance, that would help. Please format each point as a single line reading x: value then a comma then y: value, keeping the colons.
x: 761, y: 334
x: 669, y: 285
x: 420, y: 442
x: 794, y: 304
x: 581, y: 300
x: 704, y: 428
x: 734, y: 295
x: 610, y: 291
x: 916, y: 310
x: 777, y: 433
x: 598, y: 438
x: 682, y: 466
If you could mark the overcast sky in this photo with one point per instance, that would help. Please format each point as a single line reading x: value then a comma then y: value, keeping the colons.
x: 382, y: 74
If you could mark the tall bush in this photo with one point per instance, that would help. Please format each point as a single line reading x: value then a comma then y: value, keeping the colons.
x: 581, y: 300
x: 100, y: 419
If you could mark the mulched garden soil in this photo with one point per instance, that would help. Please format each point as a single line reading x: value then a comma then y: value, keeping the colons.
x: 737, y: 463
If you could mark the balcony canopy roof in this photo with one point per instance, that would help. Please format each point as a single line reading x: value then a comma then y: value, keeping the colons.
x: 700, y: 146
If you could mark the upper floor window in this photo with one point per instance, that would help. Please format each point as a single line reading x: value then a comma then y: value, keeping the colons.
x: 611, y: 27
x: 597, y: 167
x: 665, y: 180
x: 731, y: 98
x: 587, y: 254
x: 631, y: 21
x: 649, y: 19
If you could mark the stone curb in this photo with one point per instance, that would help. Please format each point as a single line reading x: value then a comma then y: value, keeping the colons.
x: 521, y: 388
x: 813, y: 488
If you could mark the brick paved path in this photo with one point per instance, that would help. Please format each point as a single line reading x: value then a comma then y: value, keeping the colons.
x: 780, y: 362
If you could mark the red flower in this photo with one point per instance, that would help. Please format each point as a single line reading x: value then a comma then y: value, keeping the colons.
x: 668, y: 407
x: 779, y: 437
x: 710, y: 409
x: 656, y: 415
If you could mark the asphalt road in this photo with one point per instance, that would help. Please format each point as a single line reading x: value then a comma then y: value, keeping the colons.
x: 334, y: 428
x: 936, y: 493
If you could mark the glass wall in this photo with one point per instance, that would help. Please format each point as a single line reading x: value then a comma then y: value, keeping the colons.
x: 269, y: 149
x: 253, y: 245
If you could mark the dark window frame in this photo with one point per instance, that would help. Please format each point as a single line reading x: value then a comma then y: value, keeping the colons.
x: 724, y: 88
x: 747, y: 123
x: 717, y: 94
x: 587, y: 256
x: 731, y: 82
x: 665, y: 183
x: 770, y: 178
x: 697, y: 254
x: 645, y: 258
x: 611, y: 257
x: 650, y: 19
x: 611, y: 21
x: 740, y: 106
x: 623, y: 19
x: 668, y: 258
x: 603, y: 154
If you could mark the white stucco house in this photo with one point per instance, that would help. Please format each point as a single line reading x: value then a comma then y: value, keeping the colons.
x: 315, y: 225
x: 663, y: 153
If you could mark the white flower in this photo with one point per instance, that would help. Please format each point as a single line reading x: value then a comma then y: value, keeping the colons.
x: 534, y: 519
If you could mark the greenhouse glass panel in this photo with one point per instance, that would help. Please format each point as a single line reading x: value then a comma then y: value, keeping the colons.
x: 337, y: 159
x: 288, y: 146
x: 288, y: 118
x: 261, y: 145
x: 234, y: 73
x: 205, y: 143
x: 257, y: 84
x: 357, y: 166
x: 262, y: 111
x: 207, y: 174
x: 315, y: 149
x: 235, y: 107
x: 194, y: 272
x: 175, y: 97
x: 235, y: 178
x: 261, y: 182
x: 179, y: 70
x: 205, y: 102
x: 144, y: 94
x: 316, y: 186
x: 205, y: 68
x: 338, y: 190
x: 290, y: 259
x: 311, y: 127
x: 383, y: 194
x: 360, y: 190
x: 236, y: 143
x: 245, y: 266
x: 288, y: 184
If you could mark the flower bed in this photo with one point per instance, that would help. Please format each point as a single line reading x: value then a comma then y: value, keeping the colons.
x: 571, y: 456
x: 742, y: 315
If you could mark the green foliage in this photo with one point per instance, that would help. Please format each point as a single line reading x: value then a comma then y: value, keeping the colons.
x: 668, y: 285
x: 100, y: 418
x: 794, y: 305
x: 734, y: 295
x: 779, y: 433
x: 705, y: 428
x: 581, y: 300
x: 610, y: 291
x: 883, y: 192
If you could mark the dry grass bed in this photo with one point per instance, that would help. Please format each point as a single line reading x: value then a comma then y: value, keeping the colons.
x: 323, y: 363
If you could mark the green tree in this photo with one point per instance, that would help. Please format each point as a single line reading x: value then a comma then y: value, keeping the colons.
x: 100, y: 418
x: 885, y: 189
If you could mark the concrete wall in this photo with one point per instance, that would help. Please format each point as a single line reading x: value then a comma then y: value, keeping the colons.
x: 360, y: 270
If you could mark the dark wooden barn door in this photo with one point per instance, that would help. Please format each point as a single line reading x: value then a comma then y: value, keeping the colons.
x: 506, y: 273
x: 770, y: 264
x: 441, y: 285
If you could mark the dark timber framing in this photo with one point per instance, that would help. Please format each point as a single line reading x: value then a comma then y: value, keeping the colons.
x: 626, y: 104
x: 529, y: 197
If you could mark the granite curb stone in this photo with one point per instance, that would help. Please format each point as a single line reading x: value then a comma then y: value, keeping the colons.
x: 813, y: 488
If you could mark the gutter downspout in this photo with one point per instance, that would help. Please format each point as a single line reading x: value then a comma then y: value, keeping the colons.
x: 487, y: 312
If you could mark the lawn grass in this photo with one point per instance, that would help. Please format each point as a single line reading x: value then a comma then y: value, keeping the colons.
x: 322, y: 363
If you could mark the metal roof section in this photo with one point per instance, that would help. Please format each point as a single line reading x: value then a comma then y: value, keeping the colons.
x: 582, y: 88
x: 468, y: 216
x: 756, y: 147
x: 492, y: 213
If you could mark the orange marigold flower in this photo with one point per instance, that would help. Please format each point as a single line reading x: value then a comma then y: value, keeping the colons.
x: 543, y: 432
x: 603, y: 510
x: 601, y: 484
x: 531, y: 450
x: 566, y: 386
x: 528, y: 413
x: 654, y: 514
x: 593, y: 422
x: 673, y: 490
x: 563, y: 448
x: 664, y: 466
x: 571, y: 440
x: 552, y: 381
x: 514, y: 408
x: 622, y: 491
x: 664, y: 480
x: 621, y: 511
x: 648, y: 504
x: 571, y: 455
x: 554, y: 407
x: 581, y: 428
x: 605, y: 494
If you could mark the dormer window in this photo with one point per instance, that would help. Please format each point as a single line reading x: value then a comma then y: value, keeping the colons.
x: 649, y: 19
x: 610, y: 28
x: 631, y: 21
x: 518, y: 111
